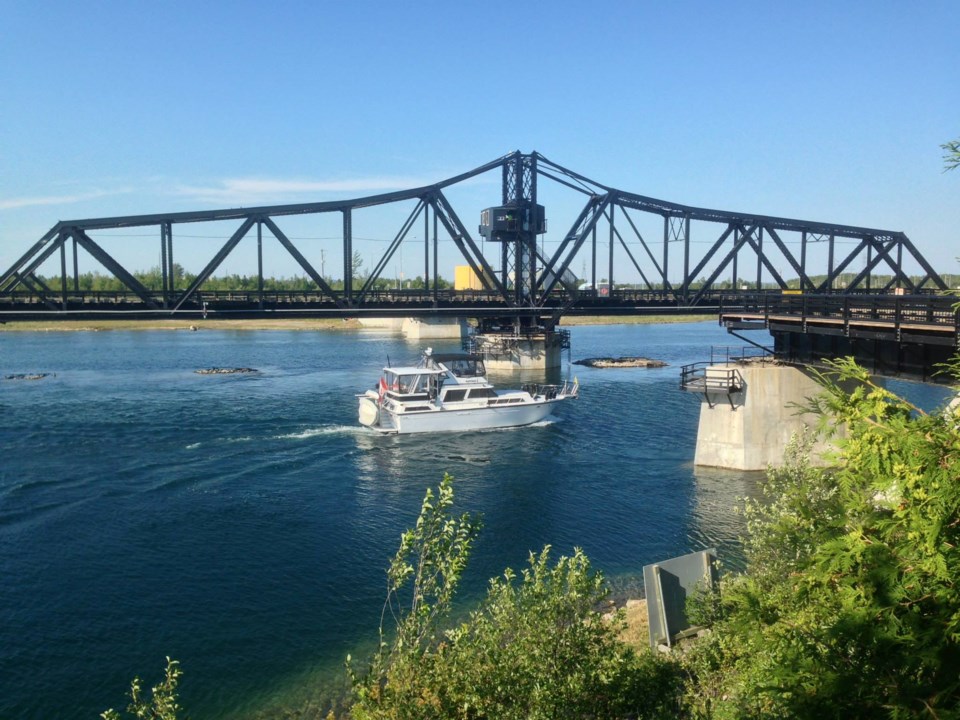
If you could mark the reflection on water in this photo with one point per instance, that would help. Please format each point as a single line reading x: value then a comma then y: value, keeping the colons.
x: 717, y: 519
x: 244, y: 526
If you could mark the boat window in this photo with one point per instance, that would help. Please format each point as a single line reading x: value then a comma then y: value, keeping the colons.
x: 407, y: 383
x: 482, y: 393
x: 454, y: 395
x: 467, y: 367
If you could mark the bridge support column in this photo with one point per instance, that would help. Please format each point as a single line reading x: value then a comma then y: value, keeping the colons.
x: 750, y: 429
x: 535, y: 351
x: 434, y: 328
x: 419, y: 328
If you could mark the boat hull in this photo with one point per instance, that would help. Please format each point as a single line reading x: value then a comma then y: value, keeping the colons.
x: 457, y: 420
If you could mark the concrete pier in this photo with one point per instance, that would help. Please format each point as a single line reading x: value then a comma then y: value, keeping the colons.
x: 434, y: 328
x: 541, y: 351
x: 420, y: 328
x: 749, y: 429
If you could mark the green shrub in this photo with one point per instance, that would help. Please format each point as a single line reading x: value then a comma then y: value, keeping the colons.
x: 850, y: 605
x: 535, y: 648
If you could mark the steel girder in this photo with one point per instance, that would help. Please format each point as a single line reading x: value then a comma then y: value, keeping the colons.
x: 739, y: 234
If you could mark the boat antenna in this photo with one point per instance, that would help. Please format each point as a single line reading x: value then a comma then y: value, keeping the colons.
x: 388, y: 361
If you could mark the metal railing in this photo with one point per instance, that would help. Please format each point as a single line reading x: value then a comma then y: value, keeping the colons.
x: 928, y: 310
x: 737, y: 353
x: 701, y: 377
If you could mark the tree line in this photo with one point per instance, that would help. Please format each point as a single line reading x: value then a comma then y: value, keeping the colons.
x: 153, y: 280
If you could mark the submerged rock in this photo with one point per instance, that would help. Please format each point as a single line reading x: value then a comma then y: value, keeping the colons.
x: 224, y: 371
x: 620, y: 362
x: 26, y: 376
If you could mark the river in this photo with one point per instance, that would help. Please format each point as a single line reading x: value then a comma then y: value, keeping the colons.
x: 242, y: 524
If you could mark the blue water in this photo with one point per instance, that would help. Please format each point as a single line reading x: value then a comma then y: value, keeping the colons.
x: 242, y: 523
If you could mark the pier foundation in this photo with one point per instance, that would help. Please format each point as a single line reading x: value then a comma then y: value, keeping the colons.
x: 534, y: 351
x: 419, y: 328
x: 434, y: 328
x: 749, y: 429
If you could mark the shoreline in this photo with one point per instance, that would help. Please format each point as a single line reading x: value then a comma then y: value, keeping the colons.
x: 314, y: 324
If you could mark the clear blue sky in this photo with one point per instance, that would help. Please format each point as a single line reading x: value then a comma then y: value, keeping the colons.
x: 830, y: 111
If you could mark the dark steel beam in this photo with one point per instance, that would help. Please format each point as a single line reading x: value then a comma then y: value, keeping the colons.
x: 40, y: 289
x: 119, y: 272
x: 574, y: 239
x: 468, y: 248
x: 632, y: 259
x: 738, y: 243
x: 797, y: 266
x: 838, y: 270
x: 215, y: 262
x: 348, y: 255
x: 882, y: 254
x: 718, y: 243
x: 520, y: 173
x: 763, y: 260
x: 643, y: 242
x: 391, y: 249
x: 18, y: 272
x: 37, y: 247
x: 301, y: 260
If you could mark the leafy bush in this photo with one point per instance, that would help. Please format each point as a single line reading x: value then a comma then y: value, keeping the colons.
x: 532, y: 649
x: 162, y: 704
x: 850, y: 605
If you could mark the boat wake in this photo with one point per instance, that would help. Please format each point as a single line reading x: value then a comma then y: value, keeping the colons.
x: 320, y: 431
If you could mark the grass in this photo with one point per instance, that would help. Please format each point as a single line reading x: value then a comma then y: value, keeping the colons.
x: 192, y: 324
x: 295, y: 323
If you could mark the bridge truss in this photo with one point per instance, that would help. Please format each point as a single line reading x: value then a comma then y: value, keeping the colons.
x: 616, y: 234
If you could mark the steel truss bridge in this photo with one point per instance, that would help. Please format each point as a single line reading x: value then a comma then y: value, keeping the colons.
x: 614, y: 235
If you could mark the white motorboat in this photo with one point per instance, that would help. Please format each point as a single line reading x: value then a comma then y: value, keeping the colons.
x: 450, y: 393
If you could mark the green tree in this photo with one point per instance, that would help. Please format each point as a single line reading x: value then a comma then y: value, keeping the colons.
x: 951, y: 155
x: 532, y: 649
x: 162, y: 704
x: 850, y: 605
x: 421, y: 582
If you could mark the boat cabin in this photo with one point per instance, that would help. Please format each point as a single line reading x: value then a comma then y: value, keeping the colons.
x: 413, y: 383
x: 461, y: 365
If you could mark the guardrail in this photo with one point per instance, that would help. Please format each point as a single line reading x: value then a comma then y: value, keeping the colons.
x: 701, y: 377
x: 737, y: 353
x: 936, y: 311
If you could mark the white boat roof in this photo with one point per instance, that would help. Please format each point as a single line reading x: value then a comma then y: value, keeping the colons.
x: 413, y: 370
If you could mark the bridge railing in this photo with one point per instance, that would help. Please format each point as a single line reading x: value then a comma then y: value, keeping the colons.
x: 617, y: 300
x: 887, y: 309
x: 737, y: 353
x: 702, y: 377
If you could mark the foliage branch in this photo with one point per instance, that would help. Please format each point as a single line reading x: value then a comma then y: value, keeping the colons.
x: 533, y: 649
x: 850, y: 605
x: 162, y: 703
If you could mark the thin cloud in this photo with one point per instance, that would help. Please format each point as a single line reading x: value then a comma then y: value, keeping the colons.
x: 247, y: 191
x: 43, y: 200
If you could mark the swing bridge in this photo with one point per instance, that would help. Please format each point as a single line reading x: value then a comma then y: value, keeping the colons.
x: 818, y: 287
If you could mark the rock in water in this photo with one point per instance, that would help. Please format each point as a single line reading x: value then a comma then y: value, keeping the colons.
x: 620, y: 362
x: 225, y: 371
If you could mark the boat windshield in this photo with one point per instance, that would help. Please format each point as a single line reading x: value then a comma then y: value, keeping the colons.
x: 410, y: 383
x: 466, y: 367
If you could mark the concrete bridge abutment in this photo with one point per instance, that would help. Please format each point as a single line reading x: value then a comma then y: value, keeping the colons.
x: 420, y: 328
x: 535, y: 351
x: 749, y: 429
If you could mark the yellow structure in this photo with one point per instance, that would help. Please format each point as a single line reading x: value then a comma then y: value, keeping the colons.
x: 464, y: 278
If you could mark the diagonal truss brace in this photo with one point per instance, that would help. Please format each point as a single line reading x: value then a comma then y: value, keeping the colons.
x: 303, y: 262
x: 392, y: 249
x: 468, y: 248
x: 587, y: 220
x: 121, y: 273
x: 215, y: 262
